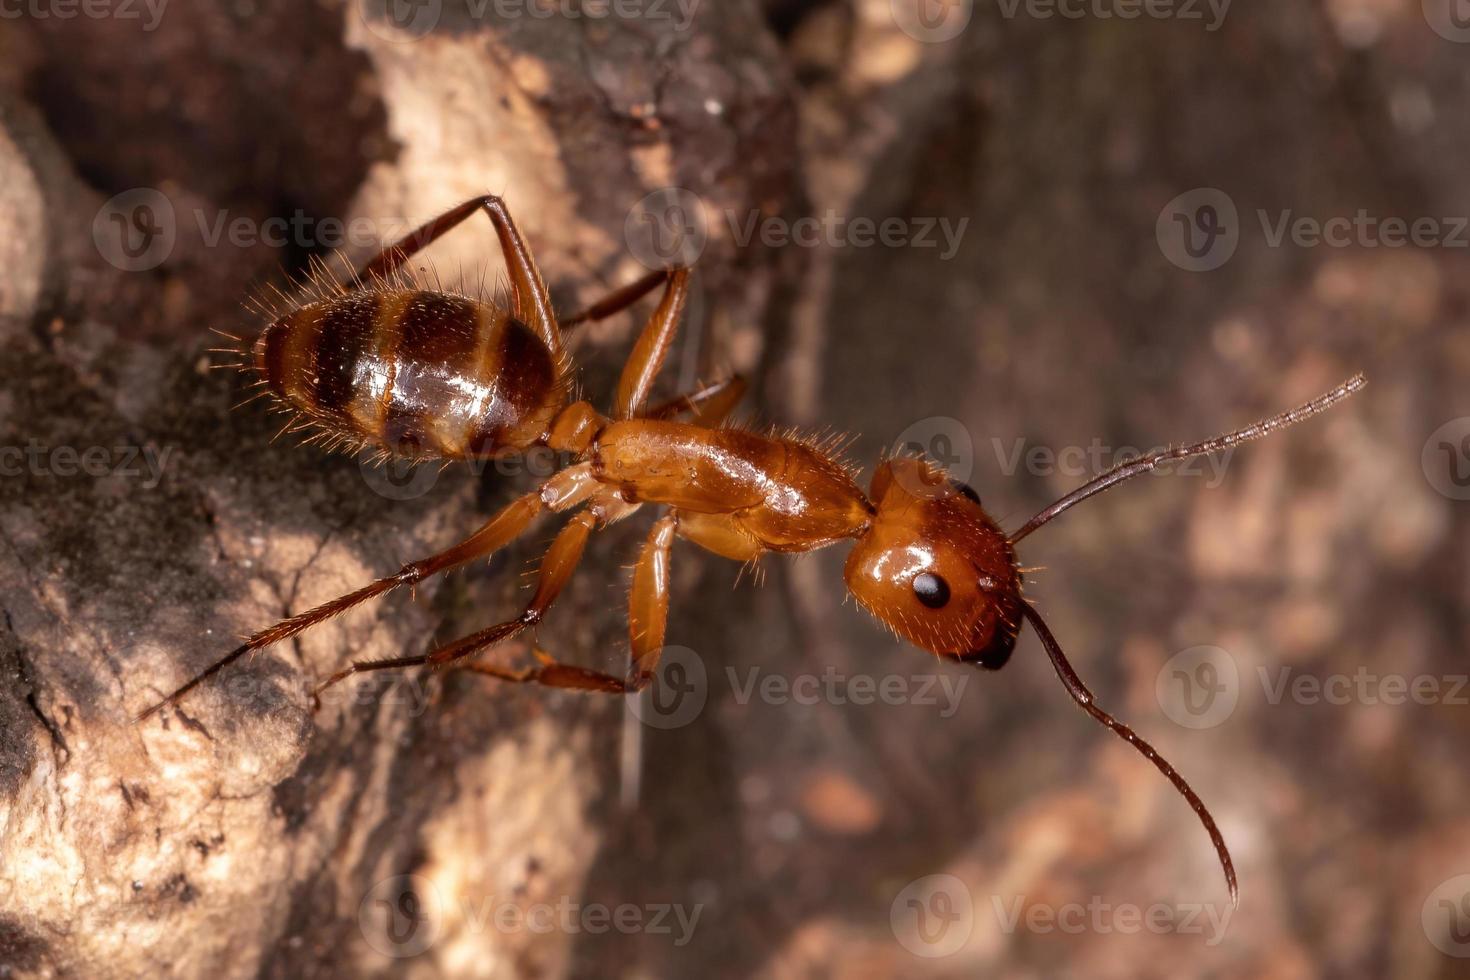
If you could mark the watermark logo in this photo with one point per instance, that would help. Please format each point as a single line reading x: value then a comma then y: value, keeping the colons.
x: 667, y: 229
x: 407, y: 478
x: 941, y: 690
x: 942, y: 440
x: 1450, y: 19
x: 136, y: 230
x: 1182, y: 10
x: 404, y: 916
x: 91, y: 9
x: 833, y: 229
x: 397, y: 477
x: 1446, y: 459
x: 401, y: 916
x: 1199, y: 687
x: 1105, y: 918
x: 1446, y: 917
x: 932, y: 21
x: 933, y: 917
x: 147, y: 464
x: 679, y: 691
x: 401, y: 21
x: 1199, y: 230
x: 1080, y: 462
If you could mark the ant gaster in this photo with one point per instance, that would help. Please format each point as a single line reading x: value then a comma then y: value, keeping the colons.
x: 384, y: 364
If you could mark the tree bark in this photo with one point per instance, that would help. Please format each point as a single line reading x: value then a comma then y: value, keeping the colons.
x: 240, y: 835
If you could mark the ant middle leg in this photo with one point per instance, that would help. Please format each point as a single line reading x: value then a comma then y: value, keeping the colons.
x: 617, y: 300
x: 707, y: 406
x: 648, y: 614
x: 563, y: 491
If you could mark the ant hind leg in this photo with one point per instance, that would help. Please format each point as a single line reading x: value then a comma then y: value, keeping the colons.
x: 558, y: 565
x: 531, y: 304
x: 566, y: 489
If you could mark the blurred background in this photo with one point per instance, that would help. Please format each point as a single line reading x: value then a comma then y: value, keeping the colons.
x: 1028, y: 237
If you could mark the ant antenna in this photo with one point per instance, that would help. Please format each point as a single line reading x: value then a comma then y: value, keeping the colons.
x: 1143, y: 464
x: 1084, y: 697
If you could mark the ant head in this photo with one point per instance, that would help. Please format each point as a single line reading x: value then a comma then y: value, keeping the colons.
x: 935, y: 568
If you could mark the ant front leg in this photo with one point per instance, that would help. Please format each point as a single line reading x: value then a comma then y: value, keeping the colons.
x: 648, y: 613
x: 530, y: 302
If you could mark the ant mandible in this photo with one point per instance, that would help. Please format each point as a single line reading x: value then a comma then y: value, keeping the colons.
x: 381, y: 363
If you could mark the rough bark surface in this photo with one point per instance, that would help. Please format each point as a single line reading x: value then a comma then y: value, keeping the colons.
x: 240, y: 835
x: 245, y: 837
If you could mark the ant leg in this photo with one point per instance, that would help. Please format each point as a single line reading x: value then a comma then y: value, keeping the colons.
x: 707, y: 406
x: 568, y: 488
x: 648, y: 612
x: 652, y: 347
x: 530, y: 302
x: 648, y: 601
x: 617, y: 301
x: 557, y: 566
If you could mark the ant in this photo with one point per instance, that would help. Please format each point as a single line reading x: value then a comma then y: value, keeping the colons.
x: 381, y: 363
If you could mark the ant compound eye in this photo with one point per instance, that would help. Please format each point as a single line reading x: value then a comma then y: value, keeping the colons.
x: 965, y: 490
x: 931, y: 590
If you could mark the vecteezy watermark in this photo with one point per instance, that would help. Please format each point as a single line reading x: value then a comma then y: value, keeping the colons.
x: 667, y: 229
x: 1097, y: 457
x: 1364, y: 686
x: 1211, y: 12
x: 405, y: 915
x: 1099, y: 916
x: 150, y: 12
x: 1450, y: 19
x: 678, y: 692
x: 835, y: 230
x: 671, y: 226
x: 406, y: 478
x: 136, y: 230
x: 401, y: 916
x: 144, y: 463
x: 1200, y: 230
x: 409, y: 20
x: 933, y: 916
x: 682, y: 685
x: 1202, y: 686
x: 1363, y: 230
x: 942, y: 691
x: 1445, y: 916
x: 942, y: 440
x: 1446, y: 459
x: 932, y: 21
x: 1198, y: 687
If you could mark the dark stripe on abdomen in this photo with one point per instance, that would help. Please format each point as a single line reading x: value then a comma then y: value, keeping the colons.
x: 525, y: 384
x: 436, y: 377
x: 344, y: 338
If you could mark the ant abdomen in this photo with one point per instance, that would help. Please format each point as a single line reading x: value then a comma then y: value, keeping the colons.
x: 413, y: 372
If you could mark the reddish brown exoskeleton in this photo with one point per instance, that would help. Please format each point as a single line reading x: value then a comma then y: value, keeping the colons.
x: 380, y: 363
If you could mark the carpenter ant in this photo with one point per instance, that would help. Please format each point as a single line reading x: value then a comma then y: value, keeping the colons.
x: 380, y: 363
